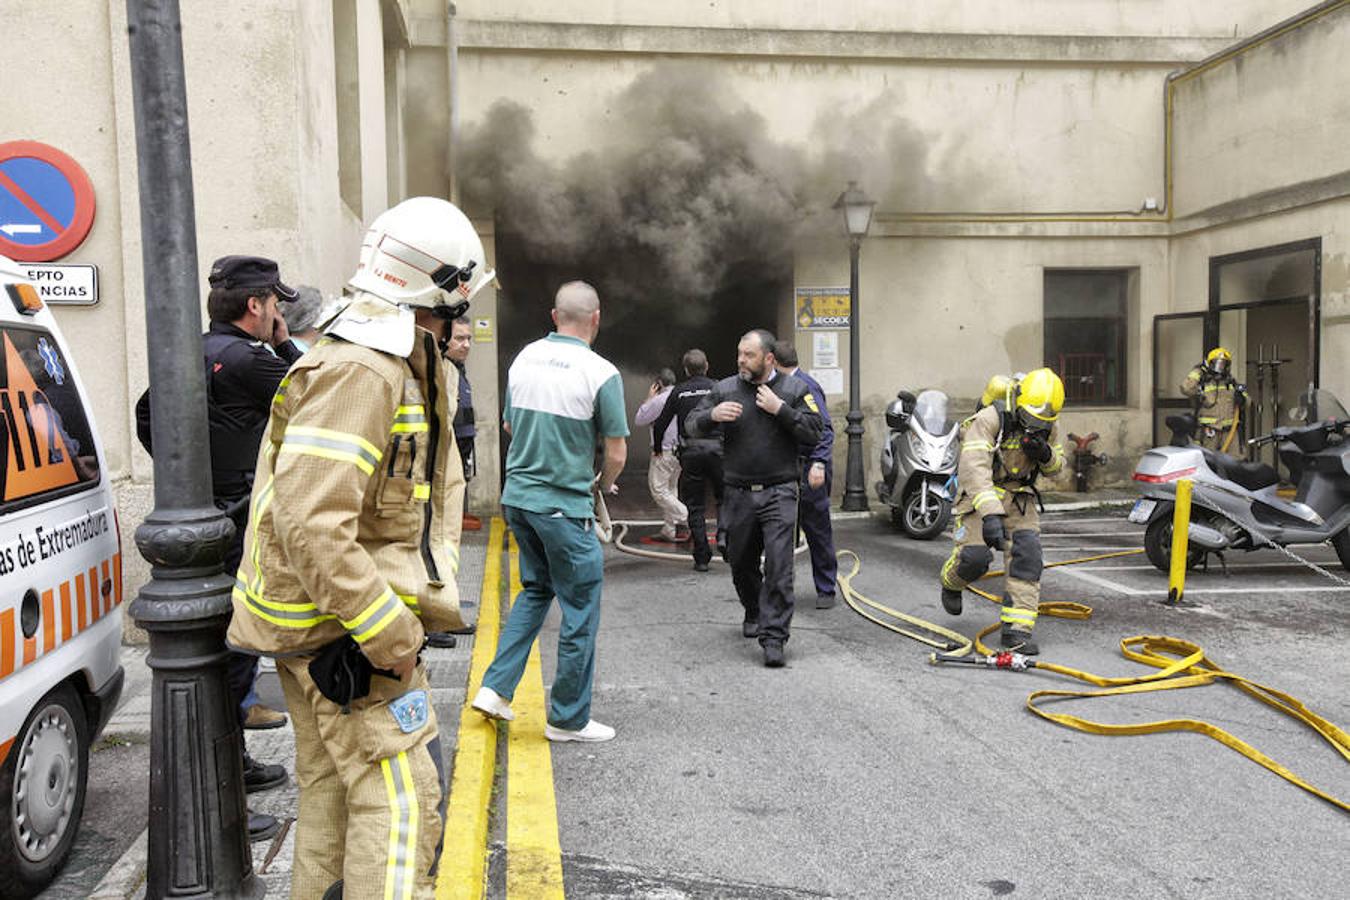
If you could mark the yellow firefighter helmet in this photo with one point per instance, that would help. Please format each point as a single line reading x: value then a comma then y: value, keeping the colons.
x: 1040, y: 397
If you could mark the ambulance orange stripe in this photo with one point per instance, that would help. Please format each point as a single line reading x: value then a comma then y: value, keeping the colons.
x: 106, y: 588
x: 4, y: 750
x: 48, y: 622
x: 82, y: 611
x: 29, y: 650
x: 117, y: 577
x: 6, y: 642
x: 65, y: 611
x: 94, y: 611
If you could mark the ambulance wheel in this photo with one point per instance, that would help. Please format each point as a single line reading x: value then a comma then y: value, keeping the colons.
x: 42, y: 787
x: 920, y: 525
x: 1158, y: 546
x: 1342, y: 544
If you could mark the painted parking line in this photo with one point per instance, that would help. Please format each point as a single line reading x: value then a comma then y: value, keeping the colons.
x: 1085, y: 534
x: 1254, y: 565
x: 533, y: 852
x: 462, y: 873
x: 1193, y: 589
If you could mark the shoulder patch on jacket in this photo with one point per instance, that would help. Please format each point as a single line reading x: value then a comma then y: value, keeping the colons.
x: 810, y: 402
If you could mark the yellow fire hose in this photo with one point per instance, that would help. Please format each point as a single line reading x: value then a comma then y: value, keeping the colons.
x: 1180, y: 663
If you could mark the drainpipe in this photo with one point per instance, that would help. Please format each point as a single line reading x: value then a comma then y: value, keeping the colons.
x: 452, y: 76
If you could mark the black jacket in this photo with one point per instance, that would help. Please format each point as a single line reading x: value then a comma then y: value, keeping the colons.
x: 683, y: 399
x: 242, y: 376
x: 759, y: 448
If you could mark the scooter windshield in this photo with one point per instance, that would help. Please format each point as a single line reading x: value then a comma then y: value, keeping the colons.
x: 1318, y: 406
x: 930, y: 411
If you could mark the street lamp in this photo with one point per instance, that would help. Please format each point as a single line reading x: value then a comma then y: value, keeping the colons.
x: 857, y: 217
x: 198, y: 845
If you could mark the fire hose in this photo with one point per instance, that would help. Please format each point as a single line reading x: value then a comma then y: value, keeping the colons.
x: 1180, y: 663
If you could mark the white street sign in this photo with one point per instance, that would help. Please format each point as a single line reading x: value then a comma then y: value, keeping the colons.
x: 68, y: 284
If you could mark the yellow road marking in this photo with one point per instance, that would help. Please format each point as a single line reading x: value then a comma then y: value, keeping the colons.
x: 463, y: 868
x: 533, y: 853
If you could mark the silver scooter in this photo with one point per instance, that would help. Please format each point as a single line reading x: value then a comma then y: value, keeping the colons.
x: 918, y: 463
x: 1235, y: 505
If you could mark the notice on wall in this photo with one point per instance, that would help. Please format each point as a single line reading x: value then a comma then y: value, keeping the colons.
x: 831, y: 380
x: 825, y: 349
x: 822, y: 307
x: 482, y: 331
x: 68, y: 284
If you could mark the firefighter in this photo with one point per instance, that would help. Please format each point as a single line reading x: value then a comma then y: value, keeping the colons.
x: 1214, y: 398
x: 1003, y: 451
x: 349, y: 557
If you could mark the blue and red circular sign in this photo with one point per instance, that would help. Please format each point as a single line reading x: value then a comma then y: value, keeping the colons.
x: 46, y: 202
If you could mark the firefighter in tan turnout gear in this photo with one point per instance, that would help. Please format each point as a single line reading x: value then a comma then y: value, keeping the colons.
x: 1005, y: 446
x: 351, y: 552
x: 1214, y: 394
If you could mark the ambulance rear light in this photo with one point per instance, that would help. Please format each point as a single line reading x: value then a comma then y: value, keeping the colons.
x: 25, y: 298
x: 1165, y: 477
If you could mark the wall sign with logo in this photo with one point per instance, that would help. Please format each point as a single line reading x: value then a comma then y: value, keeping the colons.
x: 822, y: 308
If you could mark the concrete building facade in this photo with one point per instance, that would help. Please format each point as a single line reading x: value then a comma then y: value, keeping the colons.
x: 1105, y: 187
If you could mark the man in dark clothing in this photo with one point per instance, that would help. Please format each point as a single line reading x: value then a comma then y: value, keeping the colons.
x: 764, y: 416
x: 247, y: 352
x: 700, y: 458
x: 458, y: 343
x: 813, y: 510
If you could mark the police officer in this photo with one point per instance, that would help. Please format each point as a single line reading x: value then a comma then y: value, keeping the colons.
x: 813, y: 510
x: 763, y: 416
x: 355, y: 516
x: 247, y: 351
x: 1214, y: 397
x: 700, y: 458
x: 1002, y: 454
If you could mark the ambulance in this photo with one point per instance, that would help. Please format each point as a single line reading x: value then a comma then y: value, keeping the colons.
x: 60, y: 591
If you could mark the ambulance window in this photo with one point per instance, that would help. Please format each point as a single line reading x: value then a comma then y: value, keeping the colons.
x: 48, y: 449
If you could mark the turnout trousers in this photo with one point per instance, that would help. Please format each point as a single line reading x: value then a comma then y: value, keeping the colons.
x: 762, y: 522
x: 814, y: 513
x: 372, y: 788
x: 1022, y: 557
x: 698, y: 472
x: 558, y: 557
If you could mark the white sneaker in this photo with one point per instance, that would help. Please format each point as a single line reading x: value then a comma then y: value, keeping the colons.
x: 593, y: 732
x: 491, y: 704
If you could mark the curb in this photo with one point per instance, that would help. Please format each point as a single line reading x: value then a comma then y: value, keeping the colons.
x: 126, y: 878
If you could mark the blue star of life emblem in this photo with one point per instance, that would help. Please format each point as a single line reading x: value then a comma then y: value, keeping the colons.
x: 51, y: 362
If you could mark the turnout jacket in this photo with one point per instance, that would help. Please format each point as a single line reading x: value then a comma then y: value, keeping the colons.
x: 348, y: 531
x: 993, y: 464
x: 1215, y: 399
x: 759, y: 448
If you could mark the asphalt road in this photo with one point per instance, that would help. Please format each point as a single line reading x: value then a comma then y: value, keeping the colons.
x: 860, y: 770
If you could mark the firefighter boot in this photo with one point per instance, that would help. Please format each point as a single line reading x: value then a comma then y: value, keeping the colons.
x: 1018, y: 641
x: 951, y: 601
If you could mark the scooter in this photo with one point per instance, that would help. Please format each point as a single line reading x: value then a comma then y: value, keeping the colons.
x: 1235, y: 505
x: 918, y: 463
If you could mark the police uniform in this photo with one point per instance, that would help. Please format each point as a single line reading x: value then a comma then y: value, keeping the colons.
x: 350, y: 538
x: 761, y: 470
x: 1215, y: 400
x: 700, y: 460
x: 814, y: 507
x: 997, y: 477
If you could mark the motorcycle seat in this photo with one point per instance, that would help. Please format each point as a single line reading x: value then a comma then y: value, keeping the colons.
x: 1251, y: 475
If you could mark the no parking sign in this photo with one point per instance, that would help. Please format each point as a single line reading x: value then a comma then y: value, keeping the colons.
x: 46, y: 202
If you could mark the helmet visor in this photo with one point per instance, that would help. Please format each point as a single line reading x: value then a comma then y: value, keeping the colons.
x: 1030, y: 422
x: 1219, y: 365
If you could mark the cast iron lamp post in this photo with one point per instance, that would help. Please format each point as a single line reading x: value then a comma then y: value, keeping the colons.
x: 857, y: 217
x: 198, y: 846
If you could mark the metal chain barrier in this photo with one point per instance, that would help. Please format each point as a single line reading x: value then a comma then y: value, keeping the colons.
x: 1255, y: 531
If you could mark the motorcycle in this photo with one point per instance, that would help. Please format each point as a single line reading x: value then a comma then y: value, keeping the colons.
x: 918, y: 463
x: 1235, y: 505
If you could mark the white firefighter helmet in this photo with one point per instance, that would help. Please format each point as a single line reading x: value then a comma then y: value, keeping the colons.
x: 423, y: 252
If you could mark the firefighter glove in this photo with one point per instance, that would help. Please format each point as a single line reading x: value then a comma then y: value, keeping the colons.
x: 1037, y: 448
x: 995, y: 532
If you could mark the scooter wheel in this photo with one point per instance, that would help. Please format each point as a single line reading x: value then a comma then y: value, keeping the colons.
x: 1158, y: 546
x: 920, y: 525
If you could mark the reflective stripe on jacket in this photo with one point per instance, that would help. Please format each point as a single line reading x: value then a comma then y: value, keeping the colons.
x: 989, y: 468
x: 1215, y: 400
x: 348, y: 530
